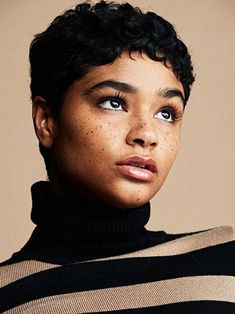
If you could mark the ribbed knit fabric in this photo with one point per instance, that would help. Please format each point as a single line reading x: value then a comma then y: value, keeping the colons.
x: 75, y: 230
x: 89, y: 258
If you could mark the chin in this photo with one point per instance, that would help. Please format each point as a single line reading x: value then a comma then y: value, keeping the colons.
x: 127, y: 195
x: 129, y: 201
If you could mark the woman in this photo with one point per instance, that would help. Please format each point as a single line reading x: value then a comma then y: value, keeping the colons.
x: 109, y: 87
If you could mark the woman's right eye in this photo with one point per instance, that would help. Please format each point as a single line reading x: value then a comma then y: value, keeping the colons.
x: 111, y: 104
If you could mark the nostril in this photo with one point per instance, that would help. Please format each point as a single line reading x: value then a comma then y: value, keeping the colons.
x: 139, y: 141
x: 144, y: 142
x: 153, y: 144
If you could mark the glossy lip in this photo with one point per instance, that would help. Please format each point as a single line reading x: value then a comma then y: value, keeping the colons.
x: 138, y: 167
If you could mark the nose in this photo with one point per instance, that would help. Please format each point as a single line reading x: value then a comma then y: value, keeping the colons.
x: 142, y: 134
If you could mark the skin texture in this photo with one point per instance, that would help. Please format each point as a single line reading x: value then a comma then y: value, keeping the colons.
x: 90, y: 137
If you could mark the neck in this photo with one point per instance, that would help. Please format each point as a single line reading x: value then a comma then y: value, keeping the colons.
x: 76, y: 230
x: 79, y: 215
x: 69, y: 230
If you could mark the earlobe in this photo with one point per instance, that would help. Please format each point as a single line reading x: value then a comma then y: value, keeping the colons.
x: 44, y: 122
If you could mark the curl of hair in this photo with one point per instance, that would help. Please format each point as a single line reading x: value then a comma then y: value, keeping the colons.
x: 93, y: 35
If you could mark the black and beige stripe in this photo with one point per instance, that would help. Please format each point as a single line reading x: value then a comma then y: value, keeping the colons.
x: 193, y: 274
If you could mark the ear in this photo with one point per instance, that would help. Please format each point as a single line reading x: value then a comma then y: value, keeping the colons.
x: 44, y: 123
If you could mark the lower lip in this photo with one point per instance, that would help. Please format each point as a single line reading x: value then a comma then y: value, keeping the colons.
x: 136, y: 173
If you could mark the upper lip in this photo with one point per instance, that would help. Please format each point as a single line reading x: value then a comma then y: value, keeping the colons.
x: 147, y: 162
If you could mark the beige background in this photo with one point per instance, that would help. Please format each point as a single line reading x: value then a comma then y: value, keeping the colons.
x: 200, y: 191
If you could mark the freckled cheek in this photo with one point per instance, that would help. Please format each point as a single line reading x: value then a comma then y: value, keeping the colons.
x: 93, y: 140
x: 169, y: 146
x: 99, y: 140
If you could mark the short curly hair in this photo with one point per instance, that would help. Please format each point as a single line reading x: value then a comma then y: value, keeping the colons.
x: 93, y: 35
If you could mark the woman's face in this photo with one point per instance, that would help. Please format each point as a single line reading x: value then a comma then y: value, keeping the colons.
x: 118, y: 132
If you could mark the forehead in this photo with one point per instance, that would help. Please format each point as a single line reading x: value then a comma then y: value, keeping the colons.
x: 138, y: 70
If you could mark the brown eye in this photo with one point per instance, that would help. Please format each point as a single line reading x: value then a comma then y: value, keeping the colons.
x: 165, y: 114
x: 111, y: 104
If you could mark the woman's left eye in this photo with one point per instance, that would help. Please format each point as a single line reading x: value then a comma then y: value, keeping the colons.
x: 112, y: 104
x: 165, y: 114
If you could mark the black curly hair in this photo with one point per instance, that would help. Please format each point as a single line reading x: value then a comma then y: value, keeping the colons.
x: 94, y: 35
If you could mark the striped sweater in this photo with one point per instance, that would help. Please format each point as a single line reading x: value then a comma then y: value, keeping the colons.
x: 116, y: 265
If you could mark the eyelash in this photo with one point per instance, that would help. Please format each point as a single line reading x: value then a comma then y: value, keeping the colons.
x: 174, y: 110
x: 115, y: 97
x: 176, y: 113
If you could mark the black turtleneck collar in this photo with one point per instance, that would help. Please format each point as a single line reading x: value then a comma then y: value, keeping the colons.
x: 76, y: 216
x: 71, y: 231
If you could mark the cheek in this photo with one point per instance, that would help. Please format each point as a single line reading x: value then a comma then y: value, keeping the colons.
x: 91, y: 140
x: 169, y: 146
x: 174, y: 145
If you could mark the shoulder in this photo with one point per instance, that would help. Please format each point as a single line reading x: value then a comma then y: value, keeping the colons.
x: 215, y: 237
x: 219, y: 239
x: 13, y: 272
x: 193, y: 267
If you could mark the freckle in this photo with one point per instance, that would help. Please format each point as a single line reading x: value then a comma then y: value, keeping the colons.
x: 92, y: 132
x: 102, y: 149
x: 89, y: 160
x: 87, y: 133
x: 137, y: 199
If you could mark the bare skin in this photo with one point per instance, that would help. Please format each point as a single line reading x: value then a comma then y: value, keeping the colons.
x: 103, y: 122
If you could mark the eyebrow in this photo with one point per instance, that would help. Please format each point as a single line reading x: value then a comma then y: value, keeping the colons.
x: 128, y: 88
x: 119, y: 86
x: 170, y: 93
